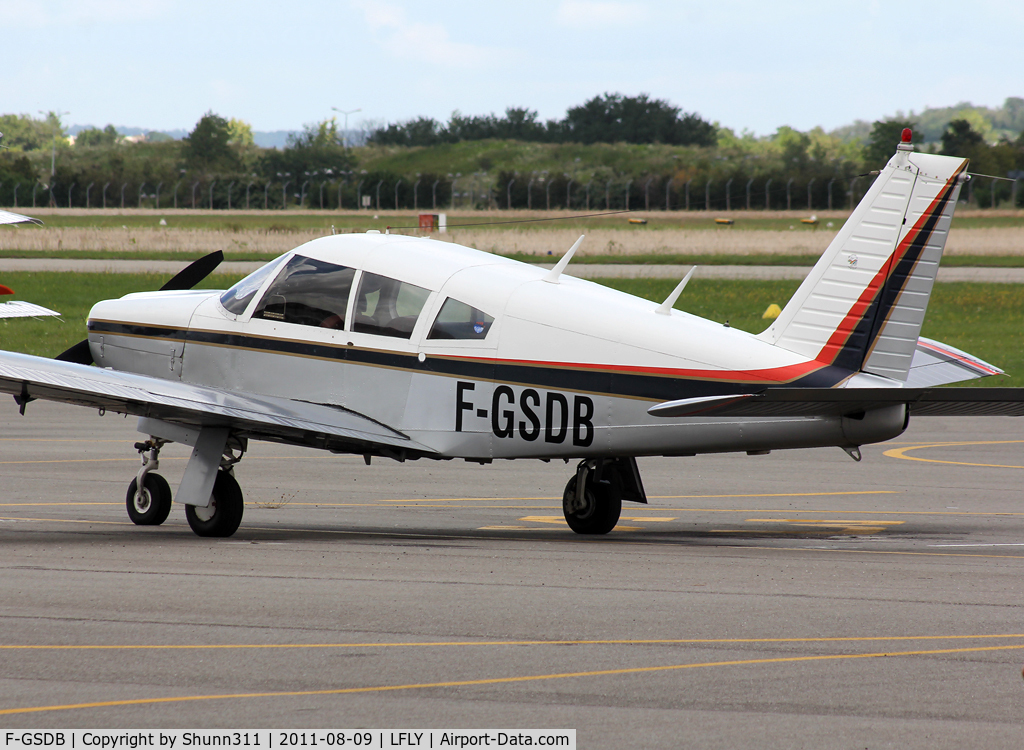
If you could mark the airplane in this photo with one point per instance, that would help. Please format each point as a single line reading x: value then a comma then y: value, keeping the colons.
x: 17, y: 308
x: 409, y: 348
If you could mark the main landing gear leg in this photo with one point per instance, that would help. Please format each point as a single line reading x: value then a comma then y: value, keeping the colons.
x: 215, y: 451
x: 593, y: 498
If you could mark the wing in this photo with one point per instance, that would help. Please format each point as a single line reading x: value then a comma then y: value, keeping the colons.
x: 833, y: 402
x: 18, y: 309
x: 250, y: 415
x: 7, y: 217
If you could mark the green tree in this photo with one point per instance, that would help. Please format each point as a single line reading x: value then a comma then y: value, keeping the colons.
x: 25, y: 133
x: 207, y: 148
x: 885, y: 136
x: 960, y: 139
x: 240, y: 133
x: 316, y: 155
x: 614, y: 118
x: 96, y: 137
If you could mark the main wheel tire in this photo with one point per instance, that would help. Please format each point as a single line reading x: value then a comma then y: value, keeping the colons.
x: 600, y: 512
x: 224, y: 514
x: 153, y: 504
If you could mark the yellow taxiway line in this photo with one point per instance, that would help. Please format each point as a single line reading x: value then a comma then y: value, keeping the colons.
x: 902, y: 453
x: 507, y: 680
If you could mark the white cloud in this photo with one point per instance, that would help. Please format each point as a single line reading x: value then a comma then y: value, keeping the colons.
x: 425, y: 42
x: 599, y: 13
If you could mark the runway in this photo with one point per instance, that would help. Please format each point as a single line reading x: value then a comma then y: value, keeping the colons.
x: 798, y: 599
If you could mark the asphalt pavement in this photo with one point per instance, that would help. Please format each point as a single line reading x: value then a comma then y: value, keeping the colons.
x: 797, y: 599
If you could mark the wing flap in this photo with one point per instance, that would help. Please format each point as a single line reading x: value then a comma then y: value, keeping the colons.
x: 838, y: 402
x: 260, y: 417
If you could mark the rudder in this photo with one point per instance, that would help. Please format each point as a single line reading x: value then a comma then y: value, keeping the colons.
x: 862, y: 305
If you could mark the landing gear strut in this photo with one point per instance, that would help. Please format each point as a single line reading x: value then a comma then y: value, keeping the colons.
x: 593, y: 497
x: 208, y: 475
x: 149, y: 496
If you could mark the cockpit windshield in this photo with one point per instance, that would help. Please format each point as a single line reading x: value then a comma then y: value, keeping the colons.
x: 308, y: 292
x: 237, y: 298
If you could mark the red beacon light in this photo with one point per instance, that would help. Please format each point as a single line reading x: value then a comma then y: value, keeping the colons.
x: 907, y: 135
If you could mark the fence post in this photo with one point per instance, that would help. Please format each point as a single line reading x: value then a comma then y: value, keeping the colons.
x: 707, y: 196
x: 668, y: 188
x: 830, y: 193
x: 749, y: 183
x: 728, y: 198
x: 789, y: 201
x: 809, y: 185
x: 768, y: 195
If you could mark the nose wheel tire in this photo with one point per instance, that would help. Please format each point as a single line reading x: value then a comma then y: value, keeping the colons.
x: 151, y: 506
x: 596, y: 512
x: 224, y: 513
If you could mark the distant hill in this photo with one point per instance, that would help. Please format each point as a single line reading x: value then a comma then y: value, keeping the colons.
x: 995, y: 124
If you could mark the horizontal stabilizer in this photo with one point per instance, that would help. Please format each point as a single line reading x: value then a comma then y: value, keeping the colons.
x: 838, y: 402
x: 936, y: 363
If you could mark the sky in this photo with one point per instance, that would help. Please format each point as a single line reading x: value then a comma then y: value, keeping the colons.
x: 748, y: 65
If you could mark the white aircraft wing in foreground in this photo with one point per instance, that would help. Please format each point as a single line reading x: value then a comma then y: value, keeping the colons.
x: 412, y: 348
x: 17, y: 308
x: 8, y: 217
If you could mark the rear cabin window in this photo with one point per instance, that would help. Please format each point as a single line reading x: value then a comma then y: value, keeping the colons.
x: 387, y: 307
x: 457, y: 320
x: 308, y: 292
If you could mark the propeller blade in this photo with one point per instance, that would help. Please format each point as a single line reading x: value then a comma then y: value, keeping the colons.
x: 194, y: 272
x: 79, y: 353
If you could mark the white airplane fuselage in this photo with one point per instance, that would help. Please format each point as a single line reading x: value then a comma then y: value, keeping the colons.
x: 566, y: 369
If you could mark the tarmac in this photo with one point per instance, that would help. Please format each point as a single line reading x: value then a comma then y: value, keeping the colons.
x: 797, y: 599
x: 580, y: 270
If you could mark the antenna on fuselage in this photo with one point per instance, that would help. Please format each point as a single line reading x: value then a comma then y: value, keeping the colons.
x: 665, y: 308
x: 554, y: 273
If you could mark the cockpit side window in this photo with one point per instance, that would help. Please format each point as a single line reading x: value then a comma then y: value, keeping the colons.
x: 237, y: 298
x: 308, y: 292
x: 457, y: 320
x: 387, y: 307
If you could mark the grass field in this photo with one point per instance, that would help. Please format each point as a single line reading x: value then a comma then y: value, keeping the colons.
x: 986, y: 320
x: 519, y: 220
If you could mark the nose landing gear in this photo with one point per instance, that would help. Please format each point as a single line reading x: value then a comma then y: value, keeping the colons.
x: 149, y: 496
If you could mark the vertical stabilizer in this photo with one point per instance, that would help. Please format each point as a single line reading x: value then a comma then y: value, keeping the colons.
x: 862, y: 305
